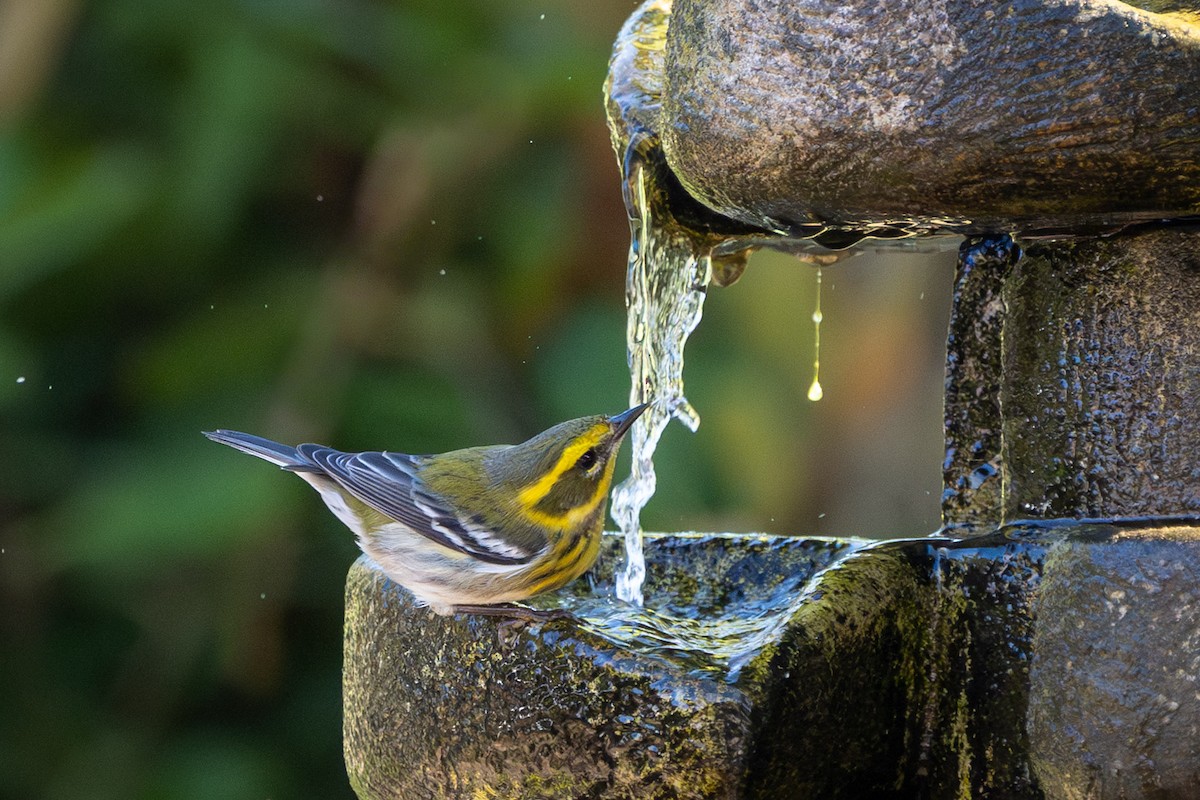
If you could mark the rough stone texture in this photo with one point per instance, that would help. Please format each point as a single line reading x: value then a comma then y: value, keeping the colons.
x: 1115, y: 698
x: 1073, y: 381
x: 966, y: 115
x: 468, y: 707
x: 971, y: 494
x: 908, y: 678
x: 901, y: 672
x: 1057, y: 662
x: 449, y: 708
x: 1101, y: 378
x: 633, y: 105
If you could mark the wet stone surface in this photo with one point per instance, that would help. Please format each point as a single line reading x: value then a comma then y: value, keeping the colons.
x: 963, y: 115
x: 901, y: 671
x: 1101, y: 376
x: 619, y: 706
x: 1115, y: 677
x: 971, y: 493
x: 909, y: 676
x: 1073, y: 380
x: 1034, y: 661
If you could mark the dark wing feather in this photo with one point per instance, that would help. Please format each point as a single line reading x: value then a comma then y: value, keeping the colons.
x: 391, y: 484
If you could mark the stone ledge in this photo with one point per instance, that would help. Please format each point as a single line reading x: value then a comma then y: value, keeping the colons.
x: 926, y: 668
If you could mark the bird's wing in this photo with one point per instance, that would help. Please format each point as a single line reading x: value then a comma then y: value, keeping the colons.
x: 390, y: 483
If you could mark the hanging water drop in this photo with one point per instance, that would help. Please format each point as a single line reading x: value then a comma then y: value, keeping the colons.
x: 815, y: 392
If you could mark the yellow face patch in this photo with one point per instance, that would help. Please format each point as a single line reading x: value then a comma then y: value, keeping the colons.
x: 530, y: 496
x: 535, y: 492
x: 572, y: 517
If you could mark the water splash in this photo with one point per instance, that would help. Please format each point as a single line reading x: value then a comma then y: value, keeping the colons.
x: 751, y: 589
x: 665, y: 288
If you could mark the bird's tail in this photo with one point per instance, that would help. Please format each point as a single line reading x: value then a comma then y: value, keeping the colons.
x: 281, y: 454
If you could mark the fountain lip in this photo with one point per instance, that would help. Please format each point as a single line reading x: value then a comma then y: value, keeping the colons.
x: 763, y: 538
x: 656, y: 94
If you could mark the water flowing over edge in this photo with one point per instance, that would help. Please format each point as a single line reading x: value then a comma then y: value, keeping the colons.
x: 666, y: 284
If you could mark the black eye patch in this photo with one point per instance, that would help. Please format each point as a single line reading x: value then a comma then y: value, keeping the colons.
x: 587, y: 460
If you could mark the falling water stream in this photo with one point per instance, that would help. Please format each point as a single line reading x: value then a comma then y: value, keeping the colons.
x: 672, y: 262
x: 665, y: 290
x: 668, y: 276
x: 676, y: 252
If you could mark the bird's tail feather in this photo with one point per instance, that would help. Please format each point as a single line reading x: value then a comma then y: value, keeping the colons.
x: 281, y: 454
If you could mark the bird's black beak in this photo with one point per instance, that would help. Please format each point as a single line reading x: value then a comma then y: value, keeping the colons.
x: 621, y: 422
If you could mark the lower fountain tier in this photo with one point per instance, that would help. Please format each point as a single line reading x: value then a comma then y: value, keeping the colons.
x: 770, y: 667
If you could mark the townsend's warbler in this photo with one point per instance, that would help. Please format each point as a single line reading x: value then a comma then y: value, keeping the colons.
x: 471, y: 527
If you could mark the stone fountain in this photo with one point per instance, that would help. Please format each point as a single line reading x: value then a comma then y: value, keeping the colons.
x: 1046, y: 642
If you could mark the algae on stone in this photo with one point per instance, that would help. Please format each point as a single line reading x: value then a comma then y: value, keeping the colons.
x: 897, y: 670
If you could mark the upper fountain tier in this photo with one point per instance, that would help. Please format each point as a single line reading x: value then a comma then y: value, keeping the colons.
x: 808, y: 117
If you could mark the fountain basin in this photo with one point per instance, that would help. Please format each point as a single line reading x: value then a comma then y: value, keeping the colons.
x: 926, y: 668
x: 620, y: 703
x: 764, y: 667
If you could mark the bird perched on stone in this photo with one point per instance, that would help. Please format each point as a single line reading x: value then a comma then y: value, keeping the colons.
x: 468, y: 529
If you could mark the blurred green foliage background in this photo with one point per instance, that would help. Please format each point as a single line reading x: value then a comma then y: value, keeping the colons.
x: 377, y: 225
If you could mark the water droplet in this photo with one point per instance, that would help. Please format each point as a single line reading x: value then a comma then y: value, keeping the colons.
x: 262, y: 596
x: 320, y: 198
x: 21, y: 379
x: 815, y: 392
x: 543, y: 16
x: 441, y: 272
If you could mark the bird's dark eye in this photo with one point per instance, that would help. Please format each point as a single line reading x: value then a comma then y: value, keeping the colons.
x: 587, y: 460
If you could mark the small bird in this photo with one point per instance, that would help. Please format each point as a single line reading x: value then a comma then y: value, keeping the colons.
x: 469, y: 529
